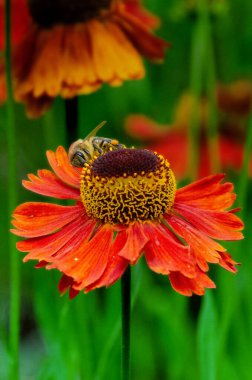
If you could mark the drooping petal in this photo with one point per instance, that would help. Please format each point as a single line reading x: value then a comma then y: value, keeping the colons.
x: 62, y: 168
x: 203, y: 246
x: 66, y: 283
x: 78, y: 72
x: 87, y: 263
x: 135, y: 241
x: 188, y: 286
x: 34, y: 219
x: 41, y: 264
x: 227, y: 262
x: 59, y: 243
x: 134, y: 9
x: 216, y: 224
x: 46, y: 183
x: 149, y: 45
x: 116, y: 265
x: 208, y: 193
x: 120, y: 60
x: 164, y: 254
x: 67, y: 251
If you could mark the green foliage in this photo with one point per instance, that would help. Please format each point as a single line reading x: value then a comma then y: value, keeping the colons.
x: 173, y: 337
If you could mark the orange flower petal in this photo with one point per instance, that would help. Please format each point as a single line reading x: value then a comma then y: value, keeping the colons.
x: 59, y: 243
x: 87, y: 263
x: 207, y: 193
x: 202, y: 245
x: 46, y: 183
x: 116, y: 265
x: 78, y: 240
x: 188, y: 286
x: 33, y: 219
x: 77, y: 66
x: 62, y: 168
x: 120, y: 60
x: 135, y: 241
x: 216, y: 224
x: 164, y: 254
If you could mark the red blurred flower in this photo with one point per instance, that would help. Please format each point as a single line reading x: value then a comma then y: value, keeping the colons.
x: 73, y: 48
x: 126, y: 205
x: 20, y: 20
x: 234, y: 105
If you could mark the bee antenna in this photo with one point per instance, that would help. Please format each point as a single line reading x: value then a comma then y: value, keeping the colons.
x: 96, y: 129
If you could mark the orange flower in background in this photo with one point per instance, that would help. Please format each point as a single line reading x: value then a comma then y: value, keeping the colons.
x: 74, y: 47
x: 234, y: 105
x: 125, y: 205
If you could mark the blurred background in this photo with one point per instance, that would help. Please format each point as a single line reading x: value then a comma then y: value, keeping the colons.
x: 206, y: 72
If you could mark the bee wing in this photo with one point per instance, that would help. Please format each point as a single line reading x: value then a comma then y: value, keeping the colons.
x: 95, y: 130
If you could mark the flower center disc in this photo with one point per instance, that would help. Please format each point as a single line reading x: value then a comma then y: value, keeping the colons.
x: 127, y: 185
x: 47, y: 13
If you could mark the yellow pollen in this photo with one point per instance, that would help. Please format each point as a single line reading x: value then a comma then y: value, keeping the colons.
x: 127, y: 197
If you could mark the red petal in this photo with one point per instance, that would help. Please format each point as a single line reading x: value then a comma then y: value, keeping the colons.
x: 63, y: 169
x: 202, y: 246
x: 35, y: 219
x: 216, y: 224
x: 20, y: 20
x: 86, y: 264
x: 134, y: 9
x: 207, y: 193
x: 149, y: 45
x: 115, y: 267
x: 188, y: 286
x: 47, y: 247
x: 65, y: 283
x: 227, y: 262
x: 80, y: 238
x: 41, y: 264
x: 141, y: 127
x: 135, y: 241
x: 163, y: 254
x: 48, y: 184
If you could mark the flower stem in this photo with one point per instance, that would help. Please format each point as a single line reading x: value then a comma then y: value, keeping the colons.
x: 203, y: 77
x: 12, y: 202
x: 196, y: 85
x: 210, y: 69
x: 244, y: 176
x: 126, y: 302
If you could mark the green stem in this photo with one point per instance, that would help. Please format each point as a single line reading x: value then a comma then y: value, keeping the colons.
x: 203, y: 74
x: 196, y: 85
x: 12, y: 202
x: 126, y: 301
x: 232, y: 302
x: 212, y: 127
x: 243, y: 180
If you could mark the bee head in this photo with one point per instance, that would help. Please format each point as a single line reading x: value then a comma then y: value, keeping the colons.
x: 76, y: 155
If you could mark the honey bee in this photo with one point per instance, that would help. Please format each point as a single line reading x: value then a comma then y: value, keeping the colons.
x: 83, y: 150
